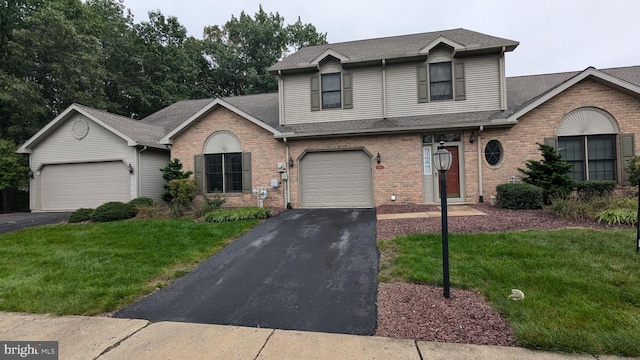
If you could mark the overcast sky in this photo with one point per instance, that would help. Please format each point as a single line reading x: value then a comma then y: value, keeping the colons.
x: 554, y: 35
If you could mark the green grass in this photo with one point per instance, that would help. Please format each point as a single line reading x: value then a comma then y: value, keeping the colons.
x: 87, y: 269
x: 582, y: 286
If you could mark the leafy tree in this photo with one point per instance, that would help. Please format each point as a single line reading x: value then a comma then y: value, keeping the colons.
x: 550, y: 174
x: 173, y: 171
x: 13, y: 171
x: 244, y: 48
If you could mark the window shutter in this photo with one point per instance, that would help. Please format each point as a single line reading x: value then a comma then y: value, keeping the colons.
x: 347, y: 92
x: 315, y: 93
x: 626, y: 152
x: 246, y: 172
x: 459, y: 82
x: 551, y: 141
x: 423, y: 84
x: 198, y: 173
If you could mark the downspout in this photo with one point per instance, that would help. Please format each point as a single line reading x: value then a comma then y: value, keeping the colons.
x: 137, y: 174
x: 384, y: 89
x: 287, y: 192
x: 503, y: 91
x: 480, y: 190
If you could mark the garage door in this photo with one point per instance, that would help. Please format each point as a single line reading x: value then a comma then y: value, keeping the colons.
x: 336, y: 179
x: 72, y: 186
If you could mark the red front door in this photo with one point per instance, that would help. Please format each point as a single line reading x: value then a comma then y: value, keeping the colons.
x: 453, y: 174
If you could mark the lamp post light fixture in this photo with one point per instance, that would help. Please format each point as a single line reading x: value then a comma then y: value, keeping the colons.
x: 442, y: 163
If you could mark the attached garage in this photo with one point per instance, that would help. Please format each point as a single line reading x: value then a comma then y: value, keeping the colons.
x: 336, y: 179
x: 84, y: 185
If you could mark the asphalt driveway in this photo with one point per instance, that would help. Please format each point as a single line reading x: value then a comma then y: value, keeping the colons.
x: 16, y: 221
x: 312, y: 270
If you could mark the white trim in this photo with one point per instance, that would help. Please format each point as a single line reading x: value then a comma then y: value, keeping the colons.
x: 574, y: 80
x: 167, y: 139
x: 328, y: 52
x: 442, y: 40
x: 58, y: 120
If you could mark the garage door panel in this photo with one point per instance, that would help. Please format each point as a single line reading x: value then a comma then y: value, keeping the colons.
x: 336, y: 179
x: 89, y: 185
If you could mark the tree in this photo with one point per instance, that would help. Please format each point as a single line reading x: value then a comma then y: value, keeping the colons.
x: 550, y: 174
x: 13, y: 171
x: 173, y: 171
x: 242, y: 50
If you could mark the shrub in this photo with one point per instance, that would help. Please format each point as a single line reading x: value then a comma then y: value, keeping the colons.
x: 137, y: 203
x: 519, y: 196
x: 575, y: 209
x: 632, y: 167
x: 222, y: 215
x: 618, y: 217
x: 183, y: 192
x: 173, y: 171
x: 111, y: 211
x: 209, y: 204
x: 594, y: 188
x: 81, y: 215
x: 550, y: 174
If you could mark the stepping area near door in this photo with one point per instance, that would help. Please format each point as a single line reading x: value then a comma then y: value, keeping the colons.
x: 452, y: 210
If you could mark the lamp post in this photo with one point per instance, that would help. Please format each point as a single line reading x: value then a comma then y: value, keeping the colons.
x: 442, y: 162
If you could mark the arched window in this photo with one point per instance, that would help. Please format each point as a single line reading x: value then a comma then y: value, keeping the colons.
x: 587, y: 140
x: 226, y: 168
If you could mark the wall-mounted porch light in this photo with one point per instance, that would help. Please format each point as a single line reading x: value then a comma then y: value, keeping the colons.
x: 378, y: 158
x: 290, y: 162
x: 130, y: 169
x: 30, y: 174
x: 473, y: 137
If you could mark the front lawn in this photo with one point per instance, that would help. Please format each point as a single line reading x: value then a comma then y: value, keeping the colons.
x: 87, y: 269
x: 582, y: 287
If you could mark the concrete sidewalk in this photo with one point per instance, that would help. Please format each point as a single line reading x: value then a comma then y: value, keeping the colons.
x: 82, y: 337
x: 452, y: 210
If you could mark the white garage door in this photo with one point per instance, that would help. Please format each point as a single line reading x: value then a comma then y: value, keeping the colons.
x: 336, y: 179
x: 88, y: 185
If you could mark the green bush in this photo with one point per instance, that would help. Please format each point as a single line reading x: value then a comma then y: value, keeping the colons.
x: 182, y: 192
x: 173, y: 171
x: 618, y: 217
x: 209, y: 204
x: 81, y: 215
x: 593, y: 188
x: 519, y: 196
x: 632, y: 167
x: 111, y: 211
x: 137, y: 203
x: 222, y: 215
x: 551, y: 174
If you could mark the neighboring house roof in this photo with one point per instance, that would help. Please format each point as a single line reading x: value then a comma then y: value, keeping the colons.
x: 261, y: 109
x: 395, y: 47
x: 132, y: 131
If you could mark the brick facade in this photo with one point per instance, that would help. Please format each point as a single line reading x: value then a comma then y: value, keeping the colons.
x: 400, y: 171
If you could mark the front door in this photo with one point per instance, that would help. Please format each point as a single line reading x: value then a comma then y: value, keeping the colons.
x: 453, y: 174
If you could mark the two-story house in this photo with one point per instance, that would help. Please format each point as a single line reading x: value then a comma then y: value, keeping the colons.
x: 355, y: 124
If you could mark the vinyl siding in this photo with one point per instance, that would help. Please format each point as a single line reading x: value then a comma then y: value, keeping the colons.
x: 482, y: 81
x: 151, y: 180
x: 367, y: 98
x: 61, y: 147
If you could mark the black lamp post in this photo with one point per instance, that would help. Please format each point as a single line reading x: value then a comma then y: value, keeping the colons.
x: 442, y: 162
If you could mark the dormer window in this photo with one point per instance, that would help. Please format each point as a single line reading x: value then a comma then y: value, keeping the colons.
x: 440, y: 81
x: 331, y: 91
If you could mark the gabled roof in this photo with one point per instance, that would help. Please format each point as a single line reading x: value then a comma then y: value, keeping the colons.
x: 260, y: 109
x: 528, y: 92
x: 395, y: 47
x: 132, y: 131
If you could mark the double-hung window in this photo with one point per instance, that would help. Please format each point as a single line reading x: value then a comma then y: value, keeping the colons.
x: 223, y: 172
x: 440, y: 81
x: 331, y: 91
x: 593, y: 156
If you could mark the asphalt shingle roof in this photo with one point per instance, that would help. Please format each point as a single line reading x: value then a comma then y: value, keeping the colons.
x: 392, y: 47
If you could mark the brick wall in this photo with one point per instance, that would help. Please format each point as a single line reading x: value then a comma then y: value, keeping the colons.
x: 519, y: 142
x: 266, y: 152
